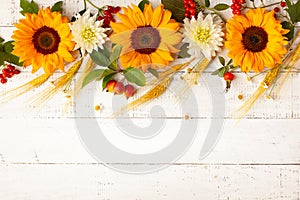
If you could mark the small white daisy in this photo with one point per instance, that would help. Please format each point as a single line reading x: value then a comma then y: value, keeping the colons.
x: 203, y: 35
x: 88, y: 33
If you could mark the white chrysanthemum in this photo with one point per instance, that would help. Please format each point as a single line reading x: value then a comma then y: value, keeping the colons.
x: 203, y: 35
x: 88, y: 33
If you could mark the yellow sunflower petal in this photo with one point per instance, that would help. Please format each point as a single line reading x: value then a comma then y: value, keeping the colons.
x: 32, y: 50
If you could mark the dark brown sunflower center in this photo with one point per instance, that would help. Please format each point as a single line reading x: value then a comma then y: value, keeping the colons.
x: 255, y: 39
x: 46, y: 40
x: 145, y: 39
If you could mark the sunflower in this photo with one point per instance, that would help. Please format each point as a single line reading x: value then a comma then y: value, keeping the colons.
x: 43, y: 40
x: 147, y: 37
x: 255, y: 40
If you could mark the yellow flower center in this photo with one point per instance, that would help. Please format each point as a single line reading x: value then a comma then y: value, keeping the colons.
x: 88, y: 34
x: 202, y: 35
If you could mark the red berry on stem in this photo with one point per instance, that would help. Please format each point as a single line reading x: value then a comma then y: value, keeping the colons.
x: 106, y: 12
x: 283, y: 4
x: 228, y: 76
x: 10, y: 67
x: 238, y: 12
x: 192, y: 12
x: 186, y: 14
x: 110, y: 8
x: 193, y: 5
x: 276, y: 9
x: 9, y: 75
x: 16, y: 71
x: 116, y: 9
x: 110, y: 85
x: 119, y: 88
x: 238, y: 6
x: 3, y: 80
x: 1, y: 76
x: 129, y: 91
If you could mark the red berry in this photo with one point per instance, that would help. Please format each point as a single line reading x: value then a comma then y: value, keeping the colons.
x: 10, y: 67
x: 228, y: 76
x: 110, y: 85
x: 1, y: 76
x: 193, y: 5
x: 191, y: 16
x: 276, y: 9
x: 9, y: 75
x: 106, y: 12
x: 129, y: 91
x: 3, y: 80
x: 193, y: 12
x: 186, y: 14
x: 100, y: 18
x: 238, y: 6
x: 283, y: 4
x: 116, y: 9
x: 238, y: 12
x: 119, y: 88
x: 241, y: 1
x: 234, y: 1
x: 232, y: 6
x: 16, y: 71
x: 110, y: 8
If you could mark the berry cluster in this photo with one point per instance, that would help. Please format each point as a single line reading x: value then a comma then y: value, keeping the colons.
x: 108, y: 15
x: 282, y: 4
x: 190, y: 8
x: 119, y: 88
x: 8, y: 72
x: 236, y: 6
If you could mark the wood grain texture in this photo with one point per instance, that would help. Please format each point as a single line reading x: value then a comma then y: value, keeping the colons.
x: 42, y: 155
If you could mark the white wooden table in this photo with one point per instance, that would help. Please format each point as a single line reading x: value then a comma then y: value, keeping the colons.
x: 42, y: 155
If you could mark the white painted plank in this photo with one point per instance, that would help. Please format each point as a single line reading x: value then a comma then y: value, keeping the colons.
x: 176, y: 182
x: 57, y: 141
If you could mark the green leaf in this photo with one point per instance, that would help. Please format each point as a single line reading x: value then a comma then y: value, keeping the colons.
x: 136, y: 76
x: 207, y: 3
x: 8, y: 47
x: 92, y: 76
x: 1, y: 47
x: 153, y: 72
x: 287, y: 25
x: 229, y: 62
x: 57, y: 7
x: 142, y: 4
x: 28, y: 7
x: 183, y: 53
x: 176, y: 7
x: 1, y: 40
x: 115, y: 53
x: 221, y: 6
x: 222, y: 71
x: 106, y: 73
x: 293, y: 10
x: 106, y: 79
x: 221, y: 60
x: 99, y: 58
x: 3, y: 57
x: 216, y: 72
